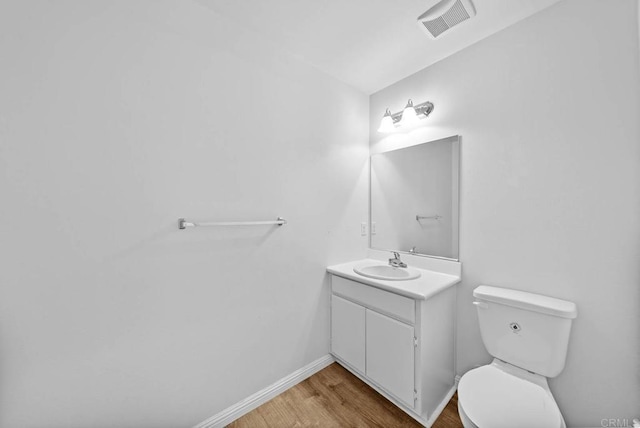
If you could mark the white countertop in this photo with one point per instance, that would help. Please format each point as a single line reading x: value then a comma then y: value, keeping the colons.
x: 429, y: 283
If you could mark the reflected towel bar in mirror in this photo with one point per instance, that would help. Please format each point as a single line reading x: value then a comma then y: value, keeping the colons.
x: 432, y: 217
x: 183, y: 224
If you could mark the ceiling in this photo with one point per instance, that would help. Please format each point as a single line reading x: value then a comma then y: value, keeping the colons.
x: 369, y: 44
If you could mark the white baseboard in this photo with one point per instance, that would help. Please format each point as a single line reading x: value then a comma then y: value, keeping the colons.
x: 438, y: 410
x: 243, y: 407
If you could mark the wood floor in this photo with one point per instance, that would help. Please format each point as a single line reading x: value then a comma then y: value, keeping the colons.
x: 333, y: 397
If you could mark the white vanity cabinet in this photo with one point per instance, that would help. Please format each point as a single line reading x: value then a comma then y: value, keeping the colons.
x: 401, y: 346
x: 348, y: 332
x: 390, y: 355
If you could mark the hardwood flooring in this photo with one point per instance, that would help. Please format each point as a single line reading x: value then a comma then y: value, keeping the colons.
x: 334, y: 397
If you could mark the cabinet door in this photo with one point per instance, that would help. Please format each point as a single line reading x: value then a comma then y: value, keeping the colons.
x: 348, y: 332
x: 390, y: 355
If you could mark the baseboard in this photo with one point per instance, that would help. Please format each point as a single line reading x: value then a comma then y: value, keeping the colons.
x: 438, y: 410
x: 243, y: 407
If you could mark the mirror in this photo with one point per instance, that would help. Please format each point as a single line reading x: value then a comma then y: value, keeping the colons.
x: 414, y: 199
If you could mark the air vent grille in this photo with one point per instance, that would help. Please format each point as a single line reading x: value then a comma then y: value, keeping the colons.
x: 436, y: 27
x: 453, y: 16
x: 456, y: 14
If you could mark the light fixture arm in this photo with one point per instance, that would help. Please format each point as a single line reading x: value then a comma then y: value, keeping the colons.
x: 422, y: 110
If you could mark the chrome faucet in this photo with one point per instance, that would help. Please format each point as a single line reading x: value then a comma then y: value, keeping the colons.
x: 396, y: 262
x: 413, y: 250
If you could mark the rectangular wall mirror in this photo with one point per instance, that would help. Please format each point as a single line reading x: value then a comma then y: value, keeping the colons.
x: 415, y: 198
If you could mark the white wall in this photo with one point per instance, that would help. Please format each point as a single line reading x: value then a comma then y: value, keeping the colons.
x: 116, y: 119
x: 550, y: 184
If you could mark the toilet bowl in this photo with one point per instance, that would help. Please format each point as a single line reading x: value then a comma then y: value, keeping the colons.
x: 500, y: 395
x: 528, y: 336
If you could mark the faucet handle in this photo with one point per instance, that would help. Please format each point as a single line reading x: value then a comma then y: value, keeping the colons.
x: 396, y: 262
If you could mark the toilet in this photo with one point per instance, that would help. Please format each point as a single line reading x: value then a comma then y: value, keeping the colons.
x: 528, y: 335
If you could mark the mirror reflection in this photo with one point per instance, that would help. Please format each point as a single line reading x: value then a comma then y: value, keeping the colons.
x: 414, y: 199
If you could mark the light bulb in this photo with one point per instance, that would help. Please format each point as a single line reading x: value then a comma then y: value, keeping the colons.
x: 386, y: 124
x: 409, y: 115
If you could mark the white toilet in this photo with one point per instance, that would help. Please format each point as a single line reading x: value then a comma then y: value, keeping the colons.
x: 527, y: 334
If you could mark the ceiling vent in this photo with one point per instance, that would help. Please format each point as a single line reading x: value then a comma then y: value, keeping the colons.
x: 445, y: 15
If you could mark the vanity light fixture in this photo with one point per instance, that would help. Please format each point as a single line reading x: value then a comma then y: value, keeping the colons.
x: 387, y: 124
x: 410, y: 116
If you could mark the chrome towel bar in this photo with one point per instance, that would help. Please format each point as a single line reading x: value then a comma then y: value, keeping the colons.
x: 432, y: 217
x: 183, y: 224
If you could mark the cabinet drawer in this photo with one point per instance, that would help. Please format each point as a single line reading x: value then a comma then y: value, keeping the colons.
x: 400, y: 307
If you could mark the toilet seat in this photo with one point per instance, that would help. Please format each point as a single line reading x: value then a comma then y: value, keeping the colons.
x: 491, y: 397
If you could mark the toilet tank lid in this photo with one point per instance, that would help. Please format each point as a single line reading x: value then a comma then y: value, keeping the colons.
x: 529, y: 301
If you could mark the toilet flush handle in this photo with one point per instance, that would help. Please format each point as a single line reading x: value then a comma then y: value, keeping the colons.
x: 482, y: 305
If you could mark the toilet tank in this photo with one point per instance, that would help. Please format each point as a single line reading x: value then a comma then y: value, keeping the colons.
x: 527, y: 330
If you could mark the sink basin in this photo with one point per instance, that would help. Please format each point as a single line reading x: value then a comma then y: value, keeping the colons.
x: 386, y: 272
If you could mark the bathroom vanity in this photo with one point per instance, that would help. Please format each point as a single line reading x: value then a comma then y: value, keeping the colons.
x: 398, y: 336
x: 393, y: 326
